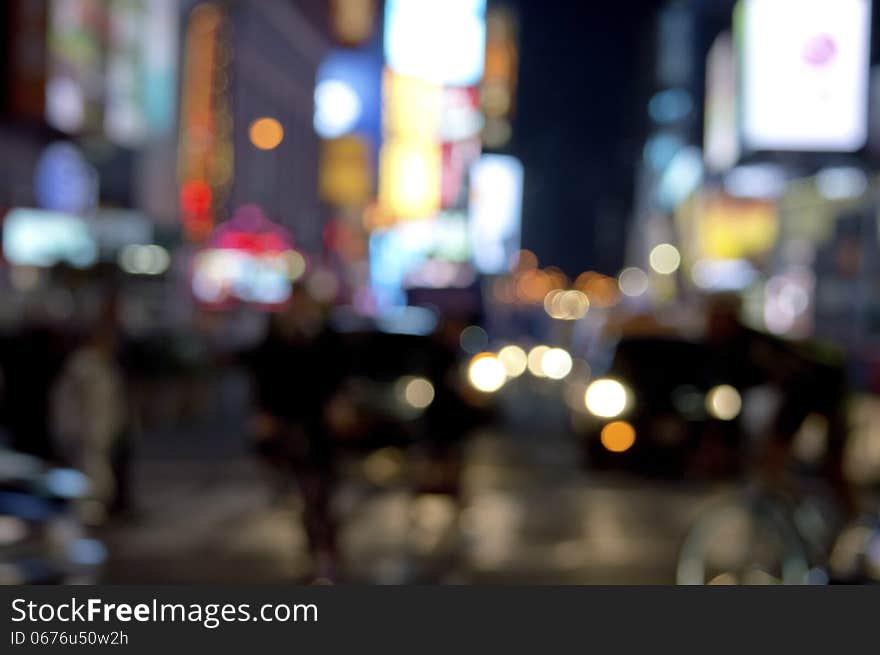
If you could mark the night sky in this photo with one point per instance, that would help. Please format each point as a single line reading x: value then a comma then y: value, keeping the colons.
x: 585, y: 70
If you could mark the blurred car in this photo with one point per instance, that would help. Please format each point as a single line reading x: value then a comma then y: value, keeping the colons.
x: 654, y: 412
x: 401, y: 389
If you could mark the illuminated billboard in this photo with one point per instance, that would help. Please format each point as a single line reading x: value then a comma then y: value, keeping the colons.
x: 248, y: 259
x: 804, y: 67
x: 348, y: 94
x: 411, y: 107
x: 734, y: 228
x: 429, y: 253
x: 441, y: 41
x: 75, y: 73
x: 495, y: 211
x: 141, y: 58
x: 410, y: 178
x: 35, y: 237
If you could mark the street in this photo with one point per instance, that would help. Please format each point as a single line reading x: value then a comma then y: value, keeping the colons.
x: 207, y: 512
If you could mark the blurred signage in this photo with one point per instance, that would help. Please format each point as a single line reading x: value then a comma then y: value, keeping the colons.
x: 735, y: 228
x: 458, y: 156
x: 249, y: 259
x: 221, y: 277
x: 418, y: 253
x: 205, y: 157
x: 804, y: 73
x: 409, y: 177
x: 459, y: 130
x: 346, y: 176
x: 34, y: 237
x: 411, y: 158
x: 125, y: 120
x: 442, y: 41
x: 112, y: 62
x: 75, y: 80
x: 140, y: 66
x: 347, y: 94
x: 64, y: 181
x: 160, y: 62
x: 411, y: 107
x: 720, y: 139
x: 495, y: 211
x: 460, y: 116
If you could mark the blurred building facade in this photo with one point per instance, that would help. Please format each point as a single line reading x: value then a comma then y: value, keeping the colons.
x: 278, y: 49
x: 759, y: 194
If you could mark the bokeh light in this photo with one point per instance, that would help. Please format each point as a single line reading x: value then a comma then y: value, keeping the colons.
x: 337, y: 108
x: 524, y: 260
x: 418, y: 392
x: 486, y: 373
x: 149, y: 259
x: 723, y: 402
x: 633, y: 282
x: 618, y: 436
x: 551, y: 304
x: 266, y: 133
x: 556, y: 363
x: 473, y: 339
x: 514, y: 360
x: 606, y: 398
x: 665, y: 258
x: 566, y: 305
x: 535, y: 361
x: 296, y: 265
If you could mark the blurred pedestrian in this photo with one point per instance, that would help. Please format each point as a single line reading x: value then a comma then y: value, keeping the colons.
x: 296, y: 371
x: 90, y: 417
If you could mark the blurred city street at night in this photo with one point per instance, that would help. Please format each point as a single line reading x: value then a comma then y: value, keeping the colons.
x: 440, y: 292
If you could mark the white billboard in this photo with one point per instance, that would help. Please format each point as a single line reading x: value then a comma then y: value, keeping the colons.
x: 441, y: 41
x: 804, y: 74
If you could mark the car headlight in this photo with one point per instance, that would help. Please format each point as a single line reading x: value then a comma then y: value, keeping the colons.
x: 606, y: 398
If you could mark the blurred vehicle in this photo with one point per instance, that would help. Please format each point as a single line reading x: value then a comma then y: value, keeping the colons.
x: 649, y: 412
x: 401, y: 390
x: 41, y: 539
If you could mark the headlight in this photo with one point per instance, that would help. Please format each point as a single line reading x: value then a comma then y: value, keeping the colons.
x: 486, y: 373
x: 415, y: 392
x: 606, y: 398
x: 724, y: 402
